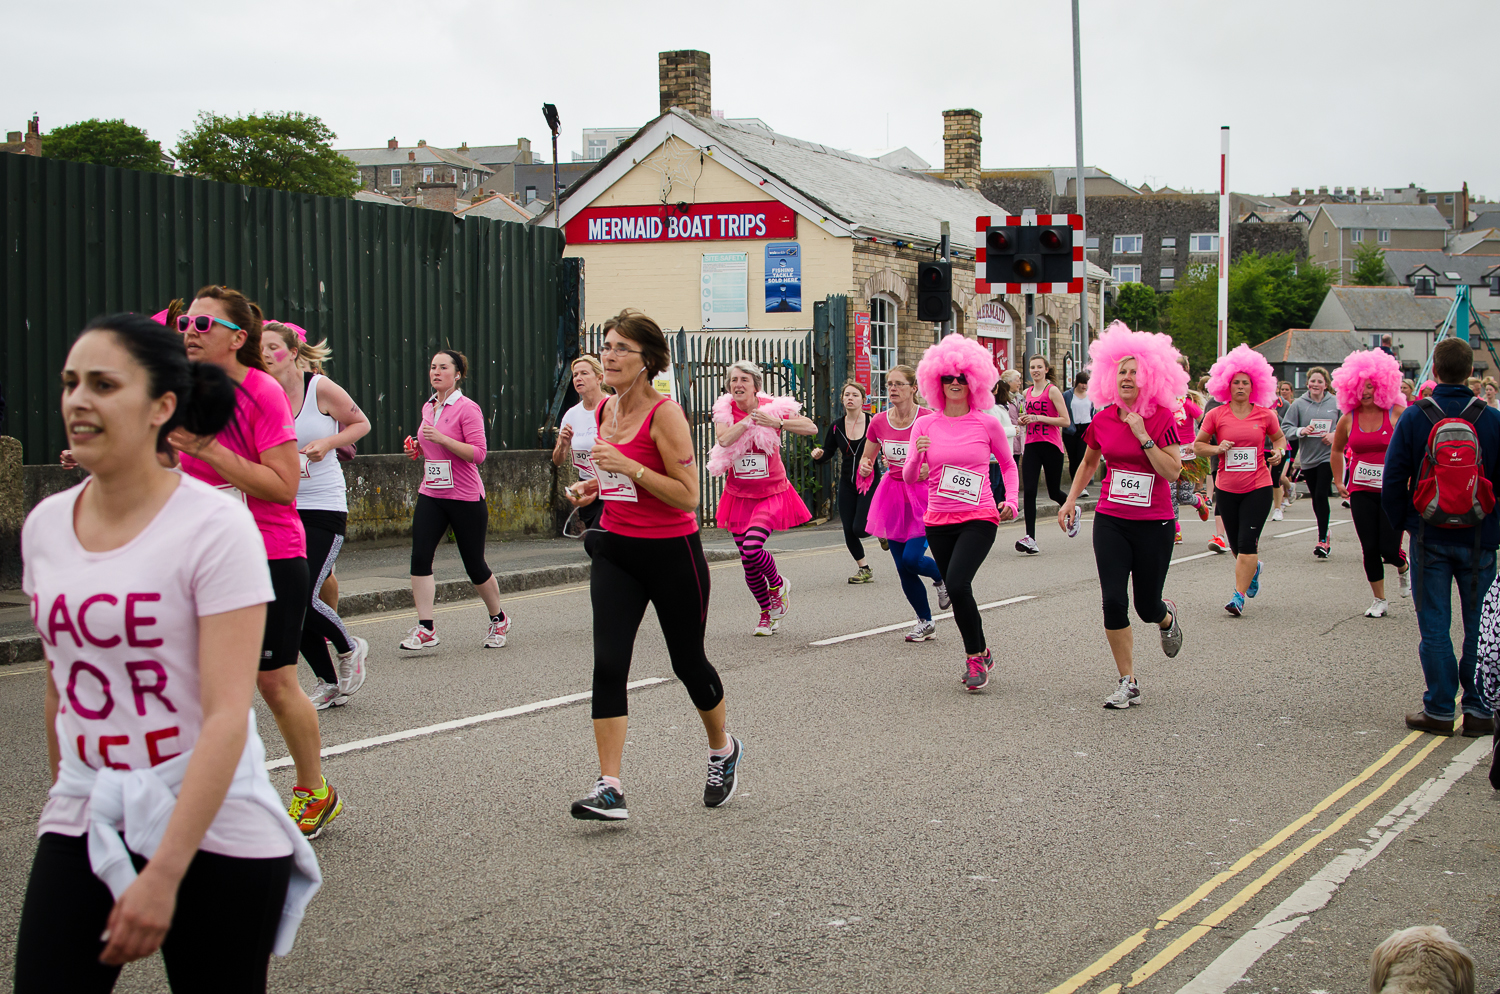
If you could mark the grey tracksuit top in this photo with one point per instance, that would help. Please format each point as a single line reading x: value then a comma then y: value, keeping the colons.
x: 1303, y: 412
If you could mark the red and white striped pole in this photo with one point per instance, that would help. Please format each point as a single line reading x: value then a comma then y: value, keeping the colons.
x: 1223, y: 239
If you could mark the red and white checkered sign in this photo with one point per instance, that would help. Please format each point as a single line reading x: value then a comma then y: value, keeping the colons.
x: 1075, y: 285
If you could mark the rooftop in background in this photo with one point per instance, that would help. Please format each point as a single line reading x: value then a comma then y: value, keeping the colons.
x: 1477, y: 242
x: 1307, y: 345
x: 1484, y: 219
x: 401, y: 155
x: 1064, y: 178
x: 1387, y: 308
x: 1399, y: 217
x: 498, y: 208
x: 1448, y: 270
x: 893, y: 158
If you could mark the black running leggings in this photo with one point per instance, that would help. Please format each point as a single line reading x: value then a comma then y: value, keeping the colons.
x: 325, y: 537
x: 628, y: 574
x: 1380, y: 542
x: 228, y: 911
x: 469, y: 519
x: 960, y: 550
x: 1318, y: 480
x: 854, y: 510
x: 1125, y: 550
x: 1244, y: 516
x: 283, y: 634
x: 1040, y: 456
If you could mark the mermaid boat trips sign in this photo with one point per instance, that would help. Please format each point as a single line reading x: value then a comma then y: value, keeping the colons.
x: 683, y: 222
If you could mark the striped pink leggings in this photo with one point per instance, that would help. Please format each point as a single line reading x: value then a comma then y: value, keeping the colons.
x: 760, y: 567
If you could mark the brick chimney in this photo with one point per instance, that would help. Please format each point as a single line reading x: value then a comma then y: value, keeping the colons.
x: 33, y: 136
x: 438, y: 196
x: 421, y: 143
x: 393, y: 144
x: 523, y: 151
x: 961, y: 146
x: 685, y: 82
x: 13, y: 138
x: 411, y: 157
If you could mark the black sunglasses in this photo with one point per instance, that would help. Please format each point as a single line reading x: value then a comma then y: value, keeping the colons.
x: 954, y: 379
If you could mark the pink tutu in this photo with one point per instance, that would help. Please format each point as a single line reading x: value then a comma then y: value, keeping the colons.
x: 896, y: 509
x: 786, y: 509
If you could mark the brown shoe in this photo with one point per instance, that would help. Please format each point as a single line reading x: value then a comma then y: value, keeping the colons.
x: 1475, y: 726
x: 1424, y: 722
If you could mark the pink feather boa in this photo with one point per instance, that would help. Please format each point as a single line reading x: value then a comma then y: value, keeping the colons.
x: 756, y: 437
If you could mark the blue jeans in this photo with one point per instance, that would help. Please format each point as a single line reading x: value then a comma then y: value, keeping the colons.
x: 1441, y: 566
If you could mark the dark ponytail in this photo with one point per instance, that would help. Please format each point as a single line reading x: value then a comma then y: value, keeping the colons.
x: 206, y: 396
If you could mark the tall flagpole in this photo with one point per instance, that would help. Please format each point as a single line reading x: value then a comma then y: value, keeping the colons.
x: 1083, y: 294
x: 1223, y: 239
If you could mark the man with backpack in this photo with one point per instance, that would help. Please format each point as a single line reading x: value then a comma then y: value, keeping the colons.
x: 1439, y: 470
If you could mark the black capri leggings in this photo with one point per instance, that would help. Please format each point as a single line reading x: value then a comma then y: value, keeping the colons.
x: 283, y: 636
x: 325, y: 537
x: 670, y: 573
x: 1318, y: 480
x: 854, y: 511
x: 1380, y: 542
x: 469, y: 519
x: 960, y: 550
x: 1244, y: 516
x: 1040, y: 456
x: 1125, y: 549
x: 228, y: 911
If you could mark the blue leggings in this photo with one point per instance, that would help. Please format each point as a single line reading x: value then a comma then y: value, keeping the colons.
x: 911, y: 565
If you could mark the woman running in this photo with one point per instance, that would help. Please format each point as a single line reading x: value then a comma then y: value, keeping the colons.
x: 1311, y: 419
x: 896, y: 512
x: 159, y: 754
x: 1138, y: 379
x: 649, y: 552
x: 326, y: 418
x: 953, y: 443
x: 1044, y: 417
x: 1236, y: 433
x: 1369, y: 394
x: 255, y: 461
x: 758, y: 499
x: 847, y: 437
x: 576, y: 437
x: 452, y: 446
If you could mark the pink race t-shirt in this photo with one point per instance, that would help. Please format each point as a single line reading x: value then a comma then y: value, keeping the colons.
x: 958, y: 457
x: 445, y: 475
x: 120, y: 632
x: 1243, y: 468
x: 262, y: 420
x: 1132, y: 487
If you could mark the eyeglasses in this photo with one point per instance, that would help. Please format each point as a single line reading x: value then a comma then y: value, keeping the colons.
x: 201, y: 323
x: 618, y: 350
x: 959, y: 379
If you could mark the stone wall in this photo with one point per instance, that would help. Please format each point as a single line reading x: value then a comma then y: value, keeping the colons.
x: 1267, y: 237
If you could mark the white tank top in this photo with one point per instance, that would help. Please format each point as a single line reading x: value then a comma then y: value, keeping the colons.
x: 321, y: 485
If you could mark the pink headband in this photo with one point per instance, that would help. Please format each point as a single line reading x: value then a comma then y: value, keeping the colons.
x: 296, y: 329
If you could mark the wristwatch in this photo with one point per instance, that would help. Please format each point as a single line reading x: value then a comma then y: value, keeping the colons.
x: 639, y: 473
x: 1148, y: 444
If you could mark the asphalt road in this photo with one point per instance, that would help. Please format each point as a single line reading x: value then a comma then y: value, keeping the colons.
x: 891, y: 832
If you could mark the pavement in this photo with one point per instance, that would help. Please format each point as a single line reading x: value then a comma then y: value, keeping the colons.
x: 891, y: 833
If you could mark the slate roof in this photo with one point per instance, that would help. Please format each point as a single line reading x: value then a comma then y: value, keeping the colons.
x: 498, y: 208
x: 1471, y: 269
x: 1469, y: 240
x: 1305, y: 345
x: 1484, y: 219
x: 1385, y: 308
x: 1398, y: 217
x: 376, y: 197
x: 426, y: 154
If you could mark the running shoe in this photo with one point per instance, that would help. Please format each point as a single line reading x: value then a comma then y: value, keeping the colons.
x: 313, y: 813
x: 977, y: 675
x: 1218, y: 544
x: 1073, y: 526
x: 1255, y: 581
x: 1171, y: 638
x: 781, y: 602
x: 496, y: 637
x: 1126, y: 694
x: 1028, y: 545
x: 326, y: 695
x: 863, y: 575
x: 420, y: 638
x: 1403, y: 581
x: 922, y: 631
x: 723, y: 776
x: 1178, y: 539
x: 1344, y: 502
x: 1276, y: 514
x: 1084, y: 495
x: 351, y: 667
x: 944, y: 601
x: 1321, y: 549
x: 603, y: 803
x: 1236, y: 605
x: 1377, y: 608
x: 885, y: 546
x: 1201, y: 504
x: 766, y: 626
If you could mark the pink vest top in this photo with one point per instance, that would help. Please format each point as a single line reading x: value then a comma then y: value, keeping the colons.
x: 629, y: 508
x: 1042, y: 405
x: 1367, y: 453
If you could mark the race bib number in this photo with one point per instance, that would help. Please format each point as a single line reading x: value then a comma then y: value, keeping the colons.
x: 752, y: 466
x: 1133, y: 489
x: 616, y: 486
x: 440, y: 474
x: 1320, y: 426
x: 960, y: 484
x: 304, y: 467
x: 1240, y: 459
x: 232, y: 491
x: 584, y: 463
x: 1369, y: 474
x: 895, y: 452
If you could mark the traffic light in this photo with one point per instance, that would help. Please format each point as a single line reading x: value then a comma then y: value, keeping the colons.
x: 1028, y: 253
x: 935, y: 292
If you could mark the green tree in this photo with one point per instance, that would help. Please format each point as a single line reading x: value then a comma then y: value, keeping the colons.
x: 1369, y: 266
x: 105, y: 143
x: 288, y: 152
x: 1136, y: 305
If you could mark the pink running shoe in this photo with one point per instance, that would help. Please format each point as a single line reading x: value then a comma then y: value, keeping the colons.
x: 978, y: 676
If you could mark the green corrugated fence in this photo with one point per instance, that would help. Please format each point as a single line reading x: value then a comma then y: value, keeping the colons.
x: 387, y: 286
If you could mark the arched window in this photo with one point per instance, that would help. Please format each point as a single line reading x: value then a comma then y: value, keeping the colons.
x: 883, y: 312
x: 1044, y: 337
x: 1080, y: 348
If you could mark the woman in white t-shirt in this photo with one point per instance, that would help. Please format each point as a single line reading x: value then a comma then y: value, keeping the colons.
x: 575, y: 438
x: 149, y: 591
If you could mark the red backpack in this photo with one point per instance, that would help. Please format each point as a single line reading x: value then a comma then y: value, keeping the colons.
x: 1452, y: 490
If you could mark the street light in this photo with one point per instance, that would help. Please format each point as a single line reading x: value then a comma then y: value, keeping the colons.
x: 549, y: 111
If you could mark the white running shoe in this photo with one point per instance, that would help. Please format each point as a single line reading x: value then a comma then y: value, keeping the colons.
x: 1126, y: 694
x: 1028, y: 545
x: 781, y: 600
x: 1276, y: 514
x: 496, y: 637
x: 1403, y: 580
x: 944, y: 601
x: 922, y: 631
x: 1376, y: 609
x: 351, y: 667
x: 326, y: 695
x: 420, y: 638
x: 766, y: 626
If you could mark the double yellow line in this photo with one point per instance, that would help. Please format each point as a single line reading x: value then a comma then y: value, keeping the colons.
x: 1217, y: 917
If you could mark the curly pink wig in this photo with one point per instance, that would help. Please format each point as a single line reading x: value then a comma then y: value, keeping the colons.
x: 950, y: 357
x: 1158, y: 375
x: 1373, y: 366
x: 1243, y: 359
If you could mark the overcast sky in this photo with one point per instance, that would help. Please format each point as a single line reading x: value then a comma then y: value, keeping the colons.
x: 1369, y: 93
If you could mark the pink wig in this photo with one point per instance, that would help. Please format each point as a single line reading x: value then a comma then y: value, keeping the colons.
x: 1426, y: 388
x: 1158, y: 375
x: 1243, y: 359
x: 952, y: 356
x: 1375, y: 367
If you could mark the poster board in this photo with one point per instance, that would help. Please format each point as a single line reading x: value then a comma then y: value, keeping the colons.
x: 723, y: 290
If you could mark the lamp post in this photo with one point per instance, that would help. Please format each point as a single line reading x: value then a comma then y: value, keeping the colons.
x: 549, y: 111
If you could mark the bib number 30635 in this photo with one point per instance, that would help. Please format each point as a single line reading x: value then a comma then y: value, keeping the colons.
x: 959, y: 484
x: 1369, y: 474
